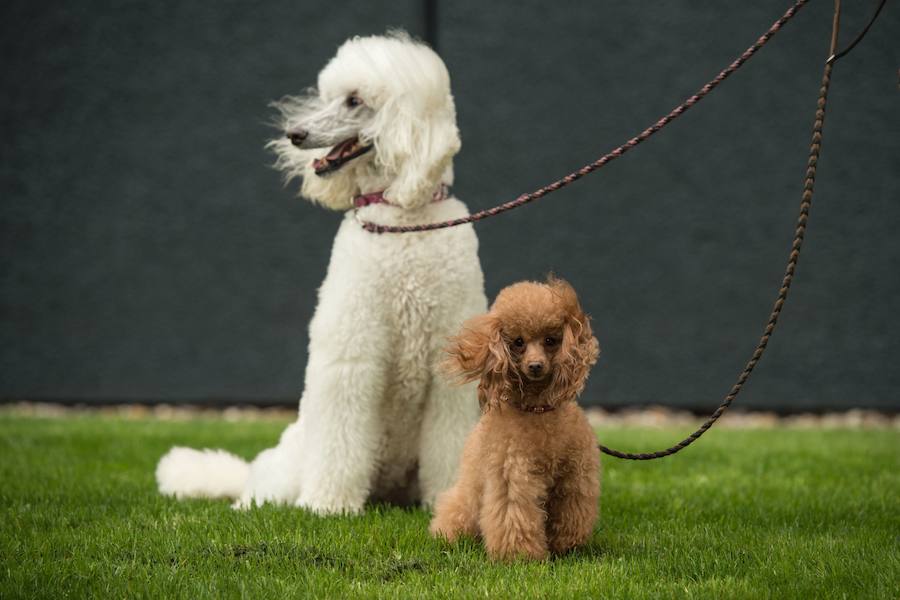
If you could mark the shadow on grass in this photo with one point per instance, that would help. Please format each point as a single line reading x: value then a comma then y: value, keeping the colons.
x: 383, y: 570
x: 592, y: 551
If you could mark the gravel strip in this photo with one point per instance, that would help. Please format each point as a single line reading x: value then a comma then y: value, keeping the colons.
x: 652, y: 417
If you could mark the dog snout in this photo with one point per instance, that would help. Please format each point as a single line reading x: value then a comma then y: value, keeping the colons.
x: 535, y: 368
x: 297, y: 136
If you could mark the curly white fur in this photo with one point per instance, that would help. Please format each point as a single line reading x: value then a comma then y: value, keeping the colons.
x: 375, y: 419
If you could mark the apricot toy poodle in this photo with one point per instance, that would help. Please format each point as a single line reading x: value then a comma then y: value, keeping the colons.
x: 528, y: 482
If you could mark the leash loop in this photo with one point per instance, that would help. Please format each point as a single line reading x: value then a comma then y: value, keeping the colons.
x: 799, y: 233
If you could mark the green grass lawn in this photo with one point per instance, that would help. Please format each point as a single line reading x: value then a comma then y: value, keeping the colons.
x: 743, y: 513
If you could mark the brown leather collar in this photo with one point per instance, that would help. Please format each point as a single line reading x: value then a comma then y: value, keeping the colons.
x: 538, y: 410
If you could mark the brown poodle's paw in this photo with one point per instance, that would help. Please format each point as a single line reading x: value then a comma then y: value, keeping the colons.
x: 453, y: 517
x: 562, y: 544
x: 441, y: 529
x: 451, y: 529
x: 510, y: 553
x: 563, y: 539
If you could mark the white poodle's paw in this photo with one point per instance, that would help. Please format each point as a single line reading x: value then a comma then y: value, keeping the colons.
x: 243, y: 503
x: 428, y: 501
x: 250, y: 500
x: 430, y: 491
x: 330, y: 506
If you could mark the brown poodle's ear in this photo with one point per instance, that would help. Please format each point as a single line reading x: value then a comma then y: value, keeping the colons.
x: 579, y: 349
x: 479, y: 352
x: 469, y: 351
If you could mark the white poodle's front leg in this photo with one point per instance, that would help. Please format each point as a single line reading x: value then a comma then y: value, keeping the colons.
x: 341, y: 435
x: 451, y: 411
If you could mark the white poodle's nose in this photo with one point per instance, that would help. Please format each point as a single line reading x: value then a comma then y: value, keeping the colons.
x: 297, y: 136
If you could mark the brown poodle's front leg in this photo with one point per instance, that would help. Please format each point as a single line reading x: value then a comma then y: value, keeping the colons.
x: 572, y: 507
x: 455, y: 513
x: 456, y: 510
x: 512, y: 520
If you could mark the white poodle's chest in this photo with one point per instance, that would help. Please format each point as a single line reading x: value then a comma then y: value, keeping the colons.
x: 386, y: 308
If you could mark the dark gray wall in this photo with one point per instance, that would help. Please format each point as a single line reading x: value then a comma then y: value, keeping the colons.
x: 148, y: 252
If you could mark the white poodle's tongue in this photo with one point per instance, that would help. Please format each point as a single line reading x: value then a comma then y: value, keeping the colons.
x: 341, y: 149
x: 336, y: 153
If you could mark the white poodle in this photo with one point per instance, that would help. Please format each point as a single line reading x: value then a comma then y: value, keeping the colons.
x: 376, y: 421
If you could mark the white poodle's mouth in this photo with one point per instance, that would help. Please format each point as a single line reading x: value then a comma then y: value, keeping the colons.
x: 340, y: 155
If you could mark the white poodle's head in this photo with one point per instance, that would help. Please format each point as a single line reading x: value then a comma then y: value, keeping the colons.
x: 382, y: 115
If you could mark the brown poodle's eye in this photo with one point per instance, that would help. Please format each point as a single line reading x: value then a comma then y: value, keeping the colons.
x: 353, y: 101
x: 550, y: 341
x: 518, y: 343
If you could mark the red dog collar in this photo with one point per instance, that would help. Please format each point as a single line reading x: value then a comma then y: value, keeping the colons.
x: 378, y: 197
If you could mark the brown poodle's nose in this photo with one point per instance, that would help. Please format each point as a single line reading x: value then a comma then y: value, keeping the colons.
x: 535, y: 368
x: 297, y: 136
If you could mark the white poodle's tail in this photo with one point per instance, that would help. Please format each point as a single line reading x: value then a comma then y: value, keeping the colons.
x: 189, y: 473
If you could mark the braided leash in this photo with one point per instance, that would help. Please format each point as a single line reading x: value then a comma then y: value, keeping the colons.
x: 800, y: 231
x: 805, y: 202
x: 609, y: 156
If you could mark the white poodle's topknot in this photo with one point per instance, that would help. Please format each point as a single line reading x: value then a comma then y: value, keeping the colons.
x: 381, y: 68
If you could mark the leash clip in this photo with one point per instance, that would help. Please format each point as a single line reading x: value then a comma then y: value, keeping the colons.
x: 367, y: 225
x: 836, y: 55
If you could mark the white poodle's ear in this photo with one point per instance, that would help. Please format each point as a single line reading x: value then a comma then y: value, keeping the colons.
x: 416, y: 143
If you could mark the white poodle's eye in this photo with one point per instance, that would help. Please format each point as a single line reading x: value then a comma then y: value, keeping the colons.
x: 353, y: 101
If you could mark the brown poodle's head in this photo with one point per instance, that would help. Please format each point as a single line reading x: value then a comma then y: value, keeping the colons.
x: 534, y: 347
